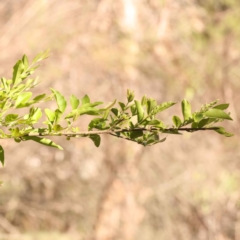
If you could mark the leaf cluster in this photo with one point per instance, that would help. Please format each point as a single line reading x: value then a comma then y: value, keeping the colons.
x: 133, y: 120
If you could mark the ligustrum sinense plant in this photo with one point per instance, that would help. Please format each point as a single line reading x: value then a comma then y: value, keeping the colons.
x: 134, y: 120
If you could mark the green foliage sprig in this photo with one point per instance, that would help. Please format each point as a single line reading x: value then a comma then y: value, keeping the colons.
x: 133, y: 120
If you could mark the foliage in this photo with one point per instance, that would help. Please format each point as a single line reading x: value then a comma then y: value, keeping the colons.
x: 133, y: 120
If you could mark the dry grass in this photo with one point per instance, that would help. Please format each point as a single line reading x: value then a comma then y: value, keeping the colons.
x: 186, y: 188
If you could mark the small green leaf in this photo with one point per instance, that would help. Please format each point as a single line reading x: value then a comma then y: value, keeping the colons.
x: 222, y: 106
x: 114, y: 111
x: 140, y: 111
x: 205, y: 122
x: 61, y: 102
x: 122, y: 105
x: 222, y: 131
x: 85, y: 99
x: 5, y: 85
x: 74, y: 102
x: 136, y: 134
x: 198, y: 117
x: 163, y: 107
x: 22, y: 99
x: 151, y: 104
x: 144, y: 100
x: 217, y: 113
x: 2, y: 155
x: 11, y: 117
x: 17, y: 71
x: 50, y: 115
x: 25, y: 62
x: 39, y: 97
x: 177, y: 121
x: 96, y: 139
x: 186, y: 110
x: 154, y: 122
x: 130, y: 96
x: 44, y: 141
x: 41, y: 56
x: 36, y: 115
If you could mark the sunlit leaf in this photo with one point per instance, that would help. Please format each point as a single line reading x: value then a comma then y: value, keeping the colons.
x: 36, y: 115
x: 74, y: 101
x: 198, y: 117
x: 205, y: 122
x: 130, y: 96
x: 39, y: 97
x: 217, y: 113
x: 41, y: 56
x: 17, y: 71
x: 222, y: 106
x: 85, y: 99
x: 164, y: 106
x: 44, y: 141
x: 186, y: 110
x: 222, y: 131
x: 11, y: 117
x: 25, y: 62
x: 50, y: 114
x: 177, y: 121
x: 22, y: 99
x: 61, y: 102
x: 140, y: 111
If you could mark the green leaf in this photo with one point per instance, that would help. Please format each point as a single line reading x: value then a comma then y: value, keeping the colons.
x: 96, y: 139
x: 154, y: 122
x: 205, y: 122
x: 96, y: 123
x: 41, y: 56
x: 44, y: 141
x: 140, y: 111
x: 136, y: 134
x: 222, y: 106
x: 5, y: 85
x: 144, y: 100
x: 151, y: 104
x: 74, y: 102
x: 39, y: 97
x: 194, y: 125
x: 11, y: 117
x: 85, y: 99
x: 61, y: 102
x: 36, y: 115
x: 130, y: 95
x: 222, y: 131
x: 25, y: 62
x: 81, y: 111
x: 114, y: 111
x: 198, y: 117
x: 186, y: 110
x: 17, y: 71
x: 217, y: 113
x: 50, y: 115
x: 2, y: 155
x: 122, y: 105
x: 163, y: 107
x: 177, y: 121
x: 109, y: 105
x: 22, y: 99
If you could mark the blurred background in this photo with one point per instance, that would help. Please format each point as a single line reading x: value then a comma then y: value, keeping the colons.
x: 185, y: 188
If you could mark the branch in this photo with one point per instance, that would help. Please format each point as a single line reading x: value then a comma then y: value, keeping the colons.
x: 114, y: 132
